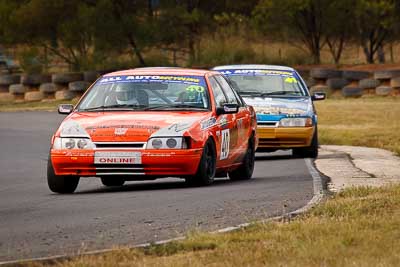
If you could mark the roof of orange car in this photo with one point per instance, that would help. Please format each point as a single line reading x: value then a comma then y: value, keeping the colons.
x: 162, y: 70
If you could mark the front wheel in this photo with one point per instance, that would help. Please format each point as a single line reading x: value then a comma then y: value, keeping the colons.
x: 245, y: 171
x: 62, y: 184
x: 207, y: 167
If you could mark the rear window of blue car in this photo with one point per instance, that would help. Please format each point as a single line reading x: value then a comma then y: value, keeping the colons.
x: 266, y: 82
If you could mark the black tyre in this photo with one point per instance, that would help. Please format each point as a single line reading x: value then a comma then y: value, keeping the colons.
x: 9, y: 79
x: 369, y: 83
x: 336, y: 83
x: 48, y: 88
x: 245, y: 171
x: 323, y: 73
x: 65, y: 78
x: 350, y: 91
x: 386, y: 74
x: 383, y: 90
x: 35, y: 79
x: 308, y: 152
x: 112, y: 181
x: 395, y: 82
x: 353, y: 75
x: 78, y: 86
x: 207, y: 166
x: 59, y: 183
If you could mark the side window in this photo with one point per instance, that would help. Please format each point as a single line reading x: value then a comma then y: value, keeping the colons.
x: 232, y: 99
x: 219, y: 95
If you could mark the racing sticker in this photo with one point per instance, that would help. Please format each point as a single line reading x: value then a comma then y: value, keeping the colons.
x: 111, y: 157
x: 256, y: 72
x: 208, y: 123
x: 290, y: 80
x: 197, y: 81
x: 225, y: 142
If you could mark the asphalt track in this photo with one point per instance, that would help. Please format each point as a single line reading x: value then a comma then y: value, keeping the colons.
x: 34, y: 222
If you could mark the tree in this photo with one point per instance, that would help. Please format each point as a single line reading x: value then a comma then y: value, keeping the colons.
x: 297, y: 20
x: 339, y: 17
x: 60, y: 26
x: 376, y: 22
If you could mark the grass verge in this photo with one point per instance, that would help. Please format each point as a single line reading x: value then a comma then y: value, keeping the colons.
x: 371, y: 122
x: 358, y: 227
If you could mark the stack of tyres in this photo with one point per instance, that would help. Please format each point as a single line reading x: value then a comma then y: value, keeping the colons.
x: 385, y: 77
x: 62, y: 80
x: 5, y: 82
x: 320, y: 77
x: 352, y: 89
x: 32, y: 83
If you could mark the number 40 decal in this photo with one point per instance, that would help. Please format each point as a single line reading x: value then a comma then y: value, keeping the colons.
x: 225, y: 143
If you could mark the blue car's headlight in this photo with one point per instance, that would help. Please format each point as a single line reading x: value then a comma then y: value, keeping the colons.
x: 295, y: 122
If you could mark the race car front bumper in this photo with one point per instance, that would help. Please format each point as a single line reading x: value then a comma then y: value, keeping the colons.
x: 132, y: 163
x: 284, y: 137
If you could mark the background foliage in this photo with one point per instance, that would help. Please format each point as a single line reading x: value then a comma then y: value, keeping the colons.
x: 108, y: 34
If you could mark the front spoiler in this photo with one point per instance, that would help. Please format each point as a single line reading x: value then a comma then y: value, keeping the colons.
x: 154, y: 163
x: 284, y: 137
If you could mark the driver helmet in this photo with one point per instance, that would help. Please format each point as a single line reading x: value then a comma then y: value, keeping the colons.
x: 125, y: 95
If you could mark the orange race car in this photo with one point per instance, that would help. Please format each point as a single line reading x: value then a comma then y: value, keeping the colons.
x: 151, y: 123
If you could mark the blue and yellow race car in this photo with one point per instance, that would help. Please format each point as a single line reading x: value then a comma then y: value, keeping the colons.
x: 286, y: 117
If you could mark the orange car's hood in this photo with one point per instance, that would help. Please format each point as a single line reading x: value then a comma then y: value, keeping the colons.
x: 134, y: 126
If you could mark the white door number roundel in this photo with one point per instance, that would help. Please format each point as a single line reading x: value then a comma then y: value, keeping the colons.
x: 225, y: 143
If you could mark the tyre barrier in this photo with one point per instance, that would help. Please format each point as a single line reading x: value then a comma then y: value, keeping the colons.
x: 9, y: 79
x: 48, y: 88
x: 350, y: 91
x: 383, y: 90
x: 64, y: 95
x: 353, y: 75
x: 369, y: 83
x: 323, y: 73
x: 79, y: 86
x: 395, y: 82
x: 386, y: 74
x: 66, y: 86
x: 65, y: 78
x: 310, y: 82
x: 33, y: 96
x: 90, y: 76
x: 336, y: 83
x: 18, y: 89
x: 4, y: 88
x: 35, y: 79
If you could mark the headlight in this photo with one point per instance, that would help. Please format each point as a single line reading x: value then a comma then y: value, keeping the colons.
x: 73, y: 143
x: 72, y: 128
x: 295, y: 122
x: 166, y: 143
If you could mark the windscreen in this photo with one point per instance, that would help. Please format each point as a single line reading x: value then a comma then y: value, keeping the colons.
x: 147, y: 92
x: 265, y: 82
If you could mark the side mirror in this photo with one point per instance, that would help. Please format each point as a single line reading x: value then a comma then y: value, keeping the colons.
x: 318, y: 96
x: 65, y: 108
x: 228, y: 109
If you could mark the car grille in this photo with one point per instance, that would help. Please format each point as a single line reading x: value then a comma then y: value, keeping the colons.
x: 267, y: 123
x: 119, y: 169
x: 120, y: 145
